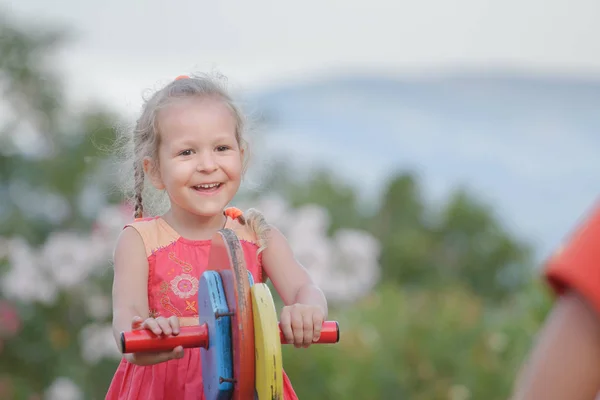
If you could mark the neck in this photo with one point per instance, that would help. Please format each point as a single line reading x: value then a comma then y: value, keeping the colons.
x: 194, y: 227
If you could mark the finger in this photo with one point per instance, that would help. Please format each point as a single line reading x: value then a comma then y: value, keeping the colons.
x: 152, y: 325
x: 158, y: 357
x: 177, y: 353
x: 165, y: 326
x: 286, y: 326
x: 136, y: 322
x: 318, y: 320
x: 307, y: 329
x: 297, y: 329
x: 174, y: 322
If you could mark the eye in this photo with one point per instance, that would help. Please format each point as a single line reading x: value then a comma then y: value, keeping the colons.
x: 223, y: 148
x: 187, y: 152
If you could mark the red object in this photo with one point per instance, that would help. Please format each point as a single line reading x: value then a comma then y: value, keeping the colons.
x: 330, y: 333
x: 576, y: 265
x: 146, y: 341
x: 197, y: 336
x: 227, y: 257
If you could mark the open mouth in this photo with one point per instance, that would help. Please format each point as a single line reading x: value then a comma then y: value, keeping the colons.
x: 207, y: 187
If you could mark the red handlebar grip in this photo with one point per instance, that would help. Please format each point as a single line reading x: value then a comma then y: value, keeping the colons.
x: 197, y: 336
x: 330, y: 333
x: 146, y: 341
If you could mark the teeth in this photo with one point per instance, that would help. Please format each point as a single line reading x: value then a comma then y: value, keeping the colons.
x: 208, y: 186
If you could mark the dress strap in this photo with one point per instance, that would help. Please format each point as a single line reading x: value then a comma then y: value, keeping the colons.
x: 155, y: 233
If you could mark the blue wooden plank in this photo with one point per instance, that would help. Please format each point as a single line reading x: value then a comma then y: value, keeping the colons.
x: 217, y: 360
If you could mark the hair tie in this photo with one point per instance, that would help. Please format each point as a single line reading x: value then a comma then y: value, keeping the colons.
x: 182, y: 77
x: 233, y: 212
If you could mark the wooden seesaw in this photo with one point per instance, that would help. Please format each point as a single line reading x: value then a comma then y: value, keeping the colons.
x: 238, y: 333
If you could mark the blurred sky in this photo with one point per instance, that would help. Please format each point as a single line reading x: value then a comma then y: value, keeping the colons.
x: 121, y: 48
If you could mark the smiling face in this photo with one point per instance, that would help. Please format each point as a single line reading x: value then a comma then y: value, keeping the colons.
x: 199, y: 157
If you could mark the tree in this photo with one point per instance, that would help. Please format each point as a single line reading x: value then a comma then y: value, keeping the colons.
x: 320, y: 187
x: 461, y: 241
x: 464, y: 243
x: 49, y: 161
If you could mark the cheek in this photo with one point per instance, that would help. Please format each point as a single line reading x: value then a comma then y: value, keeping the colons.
x: 176, y: 172
x: 234, y: 168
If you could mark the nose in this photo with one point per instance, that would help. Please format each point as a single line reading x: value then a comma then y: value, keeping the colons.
x: 206, y: 162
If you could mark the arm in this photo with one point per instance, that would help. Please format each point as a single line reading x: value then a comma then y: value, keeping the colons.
x: 290, y: 279
x: 306, y: 306
x: 565, y: 362
x: 130, y: 297
x: 130, y: 291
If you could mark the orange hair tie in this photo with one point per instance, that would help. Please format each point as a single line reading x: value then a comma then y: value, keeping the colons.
x: 182, y: 77
x: 233, y: 213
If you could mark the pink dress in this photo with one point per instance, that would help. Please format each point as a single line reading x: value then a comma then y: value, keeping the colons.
x: 175, y: 264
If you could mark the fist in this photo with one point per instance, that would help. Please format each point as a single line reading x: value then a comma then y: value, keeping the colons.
x: 158, y: 326
x: 301, y: 324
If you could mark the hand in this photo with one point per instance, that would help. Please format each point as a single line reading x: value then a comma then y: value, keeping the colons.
x: 158, y: 326
x: 301, y: 324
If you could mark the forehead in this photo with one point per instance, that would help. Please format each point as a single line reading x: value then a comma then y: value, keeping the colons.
x: 195, y: 118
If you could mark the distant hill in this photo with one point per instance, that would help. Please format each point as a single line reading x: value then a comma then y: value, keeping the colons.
x: 528, y: 145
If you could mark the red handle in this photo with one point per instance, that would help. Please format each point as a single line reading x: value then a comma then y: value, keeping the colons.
x: 330, y: 333
x: 197, y: 336
x: 146, y: 341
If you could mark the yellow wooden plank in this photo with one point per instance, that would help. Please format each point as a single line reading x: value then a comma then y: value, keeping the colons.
x: 269, y: 366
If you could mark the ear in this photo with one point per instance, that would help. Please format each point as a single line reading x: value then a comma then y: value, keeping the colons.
x: 152, y: 171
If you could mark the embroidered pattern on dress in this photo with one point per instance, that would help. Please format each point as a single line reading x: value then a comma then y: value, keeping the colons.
x: 159, y: 248
x: 165, y: 301
x: 185, y: 266
x: 191, y: 306
x: 184, y: 285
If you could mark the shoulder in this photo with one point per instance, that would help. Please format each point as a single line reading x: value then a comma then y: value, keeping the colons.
x: 576, y: 265
x: 129, y: 248
x: 154, y: 233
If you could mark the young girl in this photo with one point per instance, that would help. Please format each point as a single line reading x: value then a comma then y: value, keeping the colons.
x: 189, y: 143
x: 565, y: 361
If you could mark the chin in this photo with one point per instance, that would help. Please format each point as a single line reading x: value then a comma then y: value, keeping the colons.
x: 211, y: 210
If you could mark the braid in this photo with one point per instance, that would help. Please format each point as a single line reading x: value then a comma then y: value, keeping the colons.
x: 139, y: 187
x: 258, y: 224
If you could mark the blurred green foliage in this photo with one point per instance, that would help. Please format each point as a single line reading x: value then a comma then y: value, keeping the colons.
x: 452, y: 319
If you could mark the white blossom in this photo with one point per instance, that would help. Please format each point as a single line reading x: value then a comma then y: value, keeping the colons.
x: 64, y: 261
x: 97, y: 305
x: 274, y: 208
x: 345, y: 266
x: 97, y: 342
x: 63, y: 389
x: 25, y: 280
x: 111, y: 220
x: 70, y: 258
x: 355, y: 270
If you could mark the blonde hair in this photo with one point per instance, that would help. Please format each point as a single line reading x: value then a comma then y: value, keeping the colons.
x: 144, y: 140
x: 257, y: 223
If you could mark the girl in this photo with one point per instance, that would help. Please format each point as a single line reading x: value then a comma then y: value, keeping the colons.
x: 189, y: 143
x: 565, y: 362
